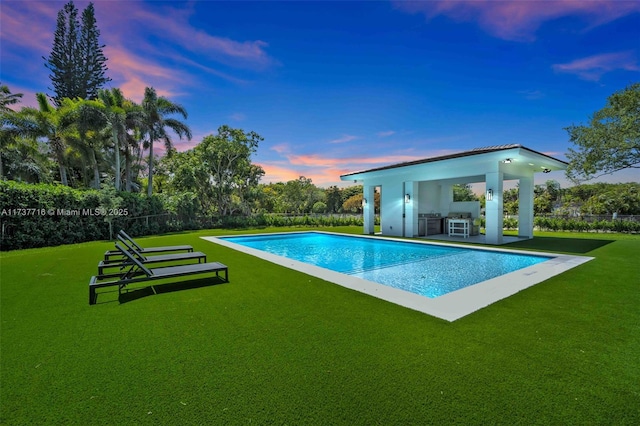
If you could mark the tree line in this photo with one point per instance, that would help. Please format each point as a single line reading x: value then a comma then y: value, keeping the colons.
x: 579, y: 200
x: 83, y: 135
x: 100, y: 143
x: 86, y: 143
x: 87, y: 137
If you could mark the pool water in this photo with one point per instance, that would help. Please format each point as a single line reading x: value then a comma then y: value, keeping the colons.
x: 425, y: 269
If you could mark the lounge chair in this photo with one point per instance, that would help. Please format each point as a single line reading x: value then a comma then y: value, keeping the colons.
x: 137, y: 272
x: 144, y: 250
x: 102, y: 265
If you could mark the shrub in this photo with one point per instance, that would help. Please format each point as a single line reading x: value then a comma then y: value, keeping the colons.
x: 43, y: 214
x: 48, y: 214
x: 319, y: 207
x: 510, y: 223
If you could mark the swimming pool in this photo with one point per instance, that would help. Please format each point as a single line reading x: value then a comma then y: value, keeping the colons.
x: 424, y: 269
x: 445, y: 280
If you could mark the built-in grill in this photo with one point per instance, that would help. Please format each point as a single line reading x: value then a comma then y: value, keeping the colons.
x: 429, y: 224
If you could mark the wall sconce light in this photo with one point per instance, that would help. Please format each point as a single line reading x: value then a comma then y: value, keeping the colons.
x: 407, y: 198
x: 489, y: 196
x: 545, y: 170
x: 507, y: 161
x: 364, y: 202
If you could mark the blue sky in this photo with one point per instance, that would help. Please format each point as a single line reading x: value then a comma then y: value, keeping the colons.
x: 335, y: 87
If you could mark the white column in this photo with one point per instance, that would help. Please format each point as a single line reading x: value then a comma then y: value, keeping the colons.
x: 525, y: 207
x: 369, y: 209
x: 411, y: 209
x: 494, y: 208
x: 392, y: 208
x: 446, y: 198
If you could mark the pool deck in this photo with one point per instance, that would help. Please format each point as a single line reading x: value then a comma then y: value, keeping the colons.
x: 450, y: 306
x: 472, y: 239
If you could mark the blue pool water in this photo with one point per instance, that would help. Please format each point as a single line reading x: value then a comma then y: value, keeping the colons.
x: 424, y: 269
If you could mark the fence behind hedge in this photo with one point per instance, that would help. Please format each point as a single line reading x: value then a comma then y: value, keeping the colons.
x: 50, y: 215
x: 627, y: 224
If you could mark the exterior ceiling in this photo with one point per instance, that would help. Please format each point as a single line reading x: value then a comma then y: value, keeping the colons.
x: 514, y: 161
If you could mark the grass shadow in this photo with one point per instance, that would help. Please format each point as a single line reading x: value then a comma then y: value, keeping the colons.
x: 127, y: 296
x: 564, y: 245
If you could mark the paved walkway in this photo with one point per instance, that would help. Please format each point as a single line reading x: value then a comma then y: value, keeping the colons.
x: 475, y: 239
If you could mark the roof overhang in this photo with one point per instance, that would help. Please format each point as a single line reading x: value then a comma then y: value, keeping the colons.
x: 515, y: 161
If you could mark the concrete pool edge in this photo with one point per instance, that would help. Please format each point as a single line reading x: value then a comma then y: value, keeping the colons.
x: 450, y: 306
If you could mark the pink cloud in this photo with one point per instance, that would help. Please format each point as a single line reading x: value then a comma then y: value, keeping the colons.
x: 167, y: 64
x: 125, y: 21
x: 133, y: 73
x: 317, y: 160
x: 28, y: 25
x: 593, y: 67
x: 182, y: 145
x: 127, y: 29
x: 519, y: 20
x: 238, y: 116
x: 176, y: 57
x: 321, y: 177
x: 343, y: 139
x: 28, y: 97
x: 275, y: 173
x: 326, y: 168
x: 323, y: 170
x: 281, y: 148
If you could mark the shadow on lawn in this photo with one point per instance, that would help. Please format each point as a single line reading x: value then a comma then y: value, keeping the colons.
x: 564, y: 245
x: 138, y: 293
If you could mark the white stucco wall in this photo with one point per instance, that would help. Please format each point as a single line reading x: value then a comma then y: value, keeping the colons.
x: 472, y: 207
x: 391, y: 207
x: 429, y: 185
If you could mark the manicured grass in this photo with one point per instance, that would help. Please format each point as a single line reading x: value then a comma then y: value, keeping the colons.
x: 275, y: 346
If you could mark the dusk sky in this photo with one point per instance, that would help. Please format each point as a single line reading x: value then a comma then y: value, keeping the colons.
x: 340, y: 86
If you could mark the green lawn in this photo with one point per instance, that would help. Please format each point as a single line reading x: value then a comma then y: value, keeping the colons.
x: 275, y: 346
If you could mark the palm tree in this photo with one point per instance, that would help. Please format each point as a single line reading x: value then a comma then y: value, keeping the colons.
x: 7, y: 98
x: 132, y: 141
x: 27, y: 161
x: 8, y: 130
x: 87, y: 118
x: 44, y: 121
x: 155, y: 109
x: 116, y: 117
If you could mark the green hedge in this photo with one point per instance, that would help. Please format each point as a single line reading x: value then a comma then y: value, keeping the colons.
x: 49, y: 215
x: 277, y: 220
x: 579, y: 225
x: 319, y: 220
x: 43, y: 215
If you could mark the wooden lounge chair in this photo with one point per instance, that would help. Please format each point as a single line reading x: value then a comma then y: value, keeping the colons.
x: 110, y: 254
x: 102, y: 265
x: 137, y: 272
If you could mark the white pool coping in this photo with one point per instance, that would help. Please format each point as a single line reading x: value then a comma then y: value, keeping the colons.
x: 450, y: 306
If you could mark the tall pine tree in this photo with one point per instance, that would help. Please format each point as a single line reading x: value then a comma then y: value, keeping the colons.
x: 63, y: 58
x: 93, y: 60
x: 77, y: 62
